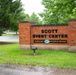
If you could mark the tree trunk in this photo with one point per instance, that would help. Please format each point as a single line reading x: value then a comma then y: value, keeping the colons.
x: 1, y: 31
x: 16, y: 32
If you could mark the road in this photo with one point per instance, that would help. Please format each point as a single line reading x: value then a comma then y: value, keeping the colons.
x: 12, y: 38
x: 6, y: 69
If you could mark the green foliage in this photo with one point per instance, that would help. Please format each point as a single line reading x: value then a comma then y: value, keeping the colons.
x: 27, y: 17
x: 13, y: 55
x: 58, y: 11
x: 33, y: 18
x: 10, y: 14
x: 4, y: 10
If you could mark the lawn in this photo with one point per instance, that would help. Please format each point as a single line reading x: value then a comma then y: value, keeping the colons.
x: 7, y: 34
x: 11, y: 54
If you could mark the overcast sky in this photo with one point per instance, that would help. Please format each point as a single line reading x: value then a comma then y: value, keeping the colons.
x: 31, y: 6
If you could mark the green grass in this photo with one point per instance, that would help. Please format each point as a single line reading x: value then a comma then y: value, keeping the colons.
x: 7, y: 34
x: 13, y: 55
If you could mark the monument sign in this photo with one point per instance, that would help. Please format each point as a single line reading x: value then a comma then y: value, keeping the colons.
x: 53, y: 37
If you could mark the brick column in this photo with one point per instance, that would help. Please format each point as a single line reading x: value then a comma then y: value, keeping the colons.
x: 24, y: 35
x: 72, y: 35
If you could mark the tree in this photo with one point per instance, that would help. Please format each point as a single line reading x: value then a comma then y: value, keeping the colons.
x: 27, y: 17
x: 58, y: 11
x: 34, y: 18
x: 10, y: 13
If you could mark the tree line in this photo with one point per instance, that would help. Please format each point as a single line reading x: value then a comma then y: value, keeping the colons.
x: 11, y: 13
x: 56, y: 11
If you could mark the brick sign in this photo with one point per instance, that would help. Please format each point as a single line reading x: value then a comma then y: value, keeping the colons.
x: 48, y: 34
x: 60, y: 36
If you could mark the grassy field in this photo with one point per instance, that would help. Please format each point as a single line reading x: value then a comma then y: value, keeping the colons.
x: 11, y: 54
x: 8, y: 34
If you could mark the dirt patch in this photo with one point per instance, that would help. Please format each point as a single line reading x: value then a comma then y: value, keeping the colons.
x: 5, y: 43
x: 31, y: 54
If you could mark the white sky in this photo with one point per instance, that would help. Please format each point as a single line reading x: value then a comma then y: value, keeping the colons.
x: 31, y: 6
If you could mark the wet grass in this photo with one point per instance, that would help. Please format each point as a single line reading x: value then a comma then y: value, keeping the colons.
x: 11, y: 54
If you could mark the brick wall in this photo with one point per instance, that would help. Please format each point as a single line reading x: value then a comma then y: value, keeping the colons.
x: 30, y: 34
x: 72, y: 32
x: 61, y: 30
x: 24, y: 32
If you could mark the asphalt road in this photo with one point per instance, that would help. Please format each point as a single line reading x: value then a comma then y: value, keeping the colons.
x: 13, y: 38
x: 6, y: 69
